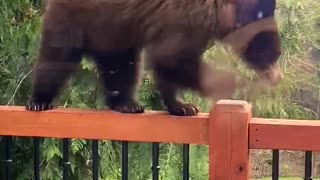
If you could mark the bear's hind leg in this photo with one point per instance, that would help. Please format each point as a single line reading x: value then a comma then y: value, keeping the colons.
x: 54, y: 66
x: 168, y: 92
x: 119, y: 71
x: 177, y: 68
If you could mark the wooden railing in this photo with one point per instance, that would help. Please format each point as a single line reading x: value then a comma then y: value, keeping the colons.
x: 229, y: 130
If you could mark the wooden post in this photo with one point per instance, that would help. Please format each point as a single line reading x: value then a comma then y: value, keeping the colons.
x: 229, y: 140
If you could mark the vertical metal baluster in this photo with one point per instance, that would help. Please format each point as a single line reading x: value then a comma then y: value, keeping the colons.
x: 125, y: 174
x: 36, y: 158
x: 95, y: 159
x: 186, y: 148
x: 2, y: 159
x: 308, y: 166
x: 155, y: 161
x: 7, y: 155
x: 275, y: 165
x: 66, y: 162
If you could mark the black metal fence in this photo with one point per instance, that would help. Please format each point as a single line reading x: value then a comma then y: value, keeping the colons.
x: 7, y: 161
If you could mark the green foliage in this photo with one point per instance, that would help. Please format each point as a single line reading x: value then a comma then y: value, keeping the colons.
x: 19, y: 36
x: 297, y: 97
x: 199, y: 163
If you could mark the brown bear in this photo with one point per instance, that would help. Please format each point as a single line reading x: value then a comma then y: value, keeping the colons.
x: 173, y: 34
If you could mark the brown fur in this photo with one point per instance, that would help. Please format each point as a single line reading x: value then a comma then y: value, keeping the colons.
x: 174, y: 34
x: 140, y: 21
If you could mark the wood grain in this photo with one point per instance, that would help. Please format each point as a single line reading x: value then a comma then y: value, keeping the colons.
x: 284, y: 134
x: 228, y: 141
x: 104, y: 124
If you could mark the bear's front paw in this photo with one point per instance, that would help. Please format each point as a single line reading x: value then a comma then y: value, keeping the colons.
x: 38, y: 106
x: 181, y: 109
x: 128, y: 108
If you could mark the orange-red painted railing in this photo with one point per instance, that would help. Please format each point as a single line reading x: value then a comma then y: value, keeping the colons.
x: 228, y: 129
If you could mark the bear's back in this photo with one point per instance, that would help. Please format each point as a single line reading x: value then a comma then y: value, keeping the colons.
x: 107, y: 24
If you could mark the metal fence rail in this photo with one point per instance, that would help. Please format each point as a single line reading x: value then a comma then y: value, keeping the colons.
x: 228, y: 129
x: 155, y: 161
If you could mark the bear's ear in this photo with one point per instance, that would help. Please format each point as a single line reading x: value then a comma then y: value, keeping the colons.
x: 251, y: 18
x: 249, y: 11
x: 234, y: 14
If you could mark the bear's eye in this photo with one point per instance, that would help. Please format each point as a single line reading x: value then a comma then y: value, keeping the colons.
x: 260, y: 15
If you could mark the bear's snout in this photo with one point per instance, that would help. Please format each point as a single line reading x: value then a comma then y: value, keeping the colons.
x: 273, y: 75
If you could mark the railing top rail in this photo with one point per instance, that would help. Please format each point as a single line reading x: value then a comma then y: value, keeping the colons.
x: 284, y: 134
x: 93, y: 124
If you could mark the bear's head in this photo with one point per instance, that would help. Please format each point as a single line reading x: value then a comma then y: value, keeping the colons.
x: 253, y: 35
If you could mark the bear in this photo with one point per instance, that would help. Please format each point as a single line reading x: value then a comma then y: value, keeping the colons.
x: 173, y: 34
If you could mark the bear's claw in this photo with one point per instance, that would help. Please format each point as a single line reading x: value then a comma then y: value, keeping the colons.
x: 128, y: 108
x: 38, y: 106
x: 181, y: 109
